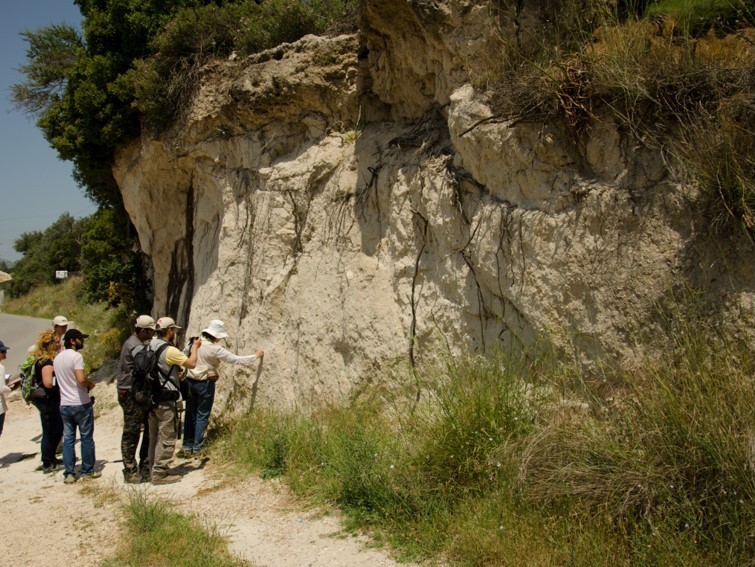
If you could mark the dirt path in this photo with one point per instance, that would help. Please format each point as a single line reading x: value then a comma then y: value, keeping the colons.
x: 76, y: 525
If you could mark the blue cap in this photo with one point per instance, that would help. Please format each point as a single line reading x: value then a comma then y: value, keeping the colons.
x: 3, y: 348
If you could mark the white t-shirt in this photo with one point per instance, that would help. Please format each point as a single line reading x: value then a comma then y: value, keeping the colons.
x: 71, y: 392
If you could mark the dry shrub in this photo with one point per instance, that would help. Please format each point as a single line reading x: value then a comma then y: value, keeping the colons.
x: 692, y: 98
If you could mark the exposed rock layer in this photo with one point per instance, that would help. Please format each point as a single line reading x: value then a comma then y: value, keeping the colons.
x: 349, y: 205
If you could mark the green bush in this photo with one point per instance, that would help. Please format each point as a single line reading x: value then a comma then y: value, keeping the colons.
x: 44, y: 252
x: 695, y: 17
x: 477, y: 407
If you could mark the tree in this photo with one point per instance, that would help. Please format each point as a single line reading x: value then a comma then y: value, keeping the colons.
x: 55, y: 248
x: 113, y: 266
x: 79, y: 89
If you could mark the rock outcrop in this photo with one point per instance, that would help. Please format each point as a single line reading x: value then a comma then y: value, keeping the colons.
x: 351, y: 205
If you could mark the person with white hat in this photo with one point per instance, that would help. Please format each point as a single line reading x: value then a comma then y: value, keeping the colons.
x: 135, y: 423
x: 201, y: 381
x: 60, y: 324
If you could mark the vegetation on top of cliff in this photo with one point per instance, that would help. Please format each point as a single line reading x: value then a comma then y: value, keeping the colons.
x: 678, y: 75
x: 165, y: 81
x: 135, y: 64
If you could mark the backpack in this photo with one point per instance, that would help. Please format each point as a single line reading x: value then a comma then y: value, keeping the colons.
x: 27, y: 378
x: 148, y: 383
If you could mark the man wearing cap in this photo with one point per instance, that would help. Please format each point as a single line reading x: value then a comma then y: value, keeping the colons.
x: 60, y: 324
x: 135, y: 422
x: 201, y: 381
x: 76, y: 409
x: 163, y: 416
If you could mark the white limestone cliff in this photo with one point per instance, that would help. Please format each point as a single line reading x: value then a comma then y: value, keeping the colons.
x: 350, y: 205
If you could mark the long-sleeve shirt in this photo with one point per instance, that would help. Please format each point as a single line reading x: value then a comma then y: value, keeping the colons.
x: 209, y: 357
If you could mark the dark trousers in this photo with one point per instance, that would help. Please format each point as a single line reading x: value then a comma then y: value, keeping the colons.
x: 135, y: 425
x: 52, y: 428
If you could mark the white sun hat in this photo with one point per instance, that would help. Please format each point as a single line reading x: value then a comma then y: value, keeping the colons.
x: 216, y: 329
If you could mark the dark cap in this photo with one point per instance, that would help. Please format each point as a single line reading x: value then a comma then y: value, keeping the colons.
x: 72, y: 334
x: 3, y: 348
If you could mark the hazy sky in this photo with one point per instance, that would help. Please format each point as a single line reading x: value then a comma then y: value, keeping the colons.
x: 35, y: 186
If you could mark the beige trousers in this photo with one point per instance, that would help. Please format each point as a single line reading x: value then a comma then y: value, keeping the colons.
x: 163, y: 432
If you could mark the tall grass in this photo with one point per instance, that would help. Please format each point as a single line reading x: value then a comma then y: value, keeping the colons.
x: 159, y: 536
x: 509, y: 460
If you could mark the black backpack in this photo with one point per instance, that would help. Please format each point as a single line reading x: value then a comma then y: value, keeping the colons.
x: 148, y: 383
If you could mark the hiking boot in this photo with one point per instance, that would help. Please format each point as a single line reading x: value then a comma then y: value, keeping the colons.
x: 47, y: 469
x: 133, y: 478
x: 69, y: 479
x: 183, y: 453
x: 92, y: 475
x: 167, y: 479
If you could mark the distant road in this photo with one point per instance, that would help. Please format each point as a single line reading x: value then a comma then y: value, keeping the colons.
x: 19, y: 333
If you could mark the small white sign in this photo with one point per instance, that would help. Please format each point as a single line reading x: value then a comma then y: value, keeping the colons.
x: 61, y: 274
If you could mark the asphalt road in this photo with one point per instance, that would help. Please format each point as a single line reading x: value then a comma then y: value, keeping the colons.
x: 19, y: 333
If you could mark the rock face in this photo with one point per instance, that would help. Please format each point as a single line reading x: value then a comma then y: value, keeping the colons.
x: 351, y: 205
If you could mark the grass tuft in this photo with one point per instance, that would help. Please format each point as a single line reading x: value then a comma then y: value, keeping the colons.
x: 159, y: 536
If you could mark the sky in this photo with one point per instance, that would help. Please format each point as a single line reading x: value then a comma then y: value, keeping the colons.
x: 35, y: 186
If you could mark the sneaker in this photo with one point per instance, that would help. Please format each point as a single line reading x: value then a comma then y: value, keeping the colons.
x: 167, y: 479
x: 69, y: 479
x: 90, y: 476
x: 47, y: 469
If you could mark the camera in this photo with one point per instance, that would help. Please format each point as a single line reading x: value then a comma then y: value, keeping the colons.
x: 189, y: 343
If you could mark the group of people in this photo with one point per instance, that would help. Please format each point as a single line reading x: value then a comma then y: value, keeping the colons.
x: 153, y: 428
x: 62, y: 396
x: 60, y: 390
